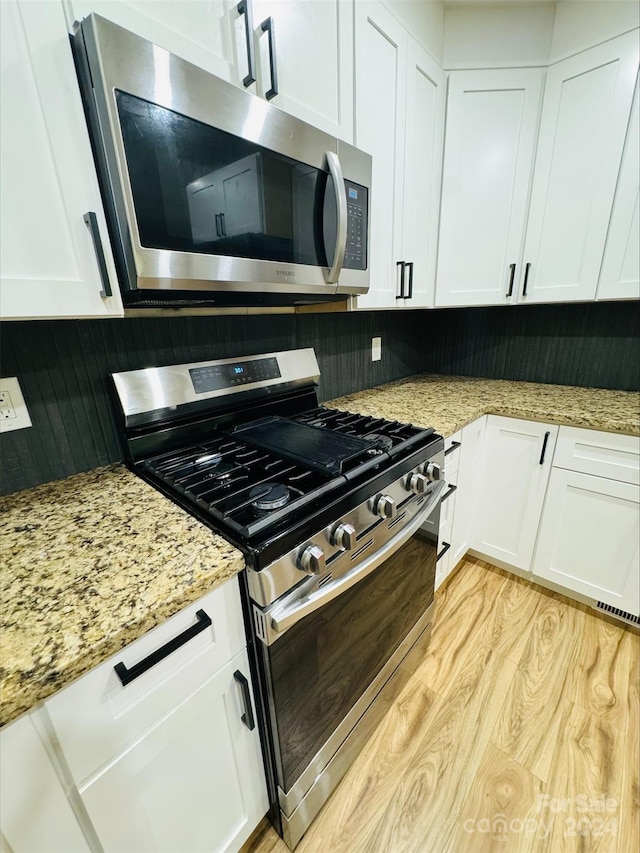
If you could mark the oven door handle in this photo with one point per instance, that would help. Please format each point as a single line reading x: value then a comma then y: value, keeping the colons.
x: 335, y: 170
x: 283, y: 618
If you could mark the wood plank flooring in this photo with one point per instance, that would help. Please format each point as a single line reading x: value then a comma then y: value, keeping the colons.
x: 517, y: 733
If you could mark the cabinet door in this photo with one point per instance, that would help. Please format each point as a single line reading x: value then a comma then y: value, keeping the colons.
x: 35, y: 814
x: 208, y: 33
x: 584, y: 120
x: 314, y: 55
x: 195, y: 782
x: 589, y: 538
x: 48, y: 262
x: 381, y: 89
x: 422, y: 174
x: 492, y: 118
x: 514, y: 478
x: 620, y: 273
x: 469, y: 493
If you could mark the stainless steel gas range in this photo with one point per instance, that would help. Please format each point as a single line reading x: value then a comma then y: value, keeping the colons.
x: 337, y: 515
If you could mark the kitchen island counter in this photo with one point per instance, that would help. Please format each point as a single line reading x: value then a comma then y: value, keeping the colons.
x: 90, y: 563
x: 448, y: 403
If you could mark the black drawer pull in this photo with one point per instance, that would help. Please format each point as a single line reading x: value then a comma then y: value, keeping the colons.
x: 512, y: 267
x: 268, y: 26
x: 526, y: 279
x: 126, y: 676
x: 544, y: 447
x: 247, y: 717
x: 91, y: 221
x: 410, y: 293
x: 402, y: 265
x: 445, y: 548
x: 449, y: 492
x: 454, y: 446
x: 244, y: 8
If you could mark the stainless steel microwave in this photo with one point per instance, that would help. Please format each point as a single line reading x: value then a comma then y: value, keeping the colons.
x: 214, y: 196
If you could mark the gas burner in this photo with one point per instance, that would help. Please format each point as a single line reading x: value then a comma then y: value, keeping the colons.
x: 216, y: 468
x: 269, y: 496
x: 384, y: 440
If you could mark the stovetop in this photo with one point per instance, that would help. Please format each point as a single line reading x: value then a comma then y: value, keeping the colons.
x: 252, y: 476
x: 244, y: 446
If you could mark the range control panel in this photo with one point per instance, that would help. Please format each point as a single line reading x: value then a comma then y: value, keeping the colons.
x: 357, y: 225
x: 216, y: 376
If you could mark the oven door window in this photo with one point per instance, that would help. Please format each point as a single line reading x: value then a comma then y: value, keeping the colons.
x: 199, y: 189
x: 322, y: 666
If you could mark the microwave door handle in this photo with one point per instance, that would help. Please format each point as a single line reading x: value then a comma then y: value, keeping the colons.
x: 283, y: 618
x: 335, y: 169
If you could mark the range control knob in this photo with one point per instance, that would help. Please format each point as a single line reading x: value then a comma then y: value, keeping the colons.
x: 431, y: 471
x: 344, y: 536
x: 312, y: 560
x: 385, y: 506
x: 416, y: 483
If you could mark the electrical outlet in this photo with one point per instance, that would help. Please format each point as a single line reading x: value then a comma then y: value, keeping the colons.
x: 13, y: 411
x: 376, y: 349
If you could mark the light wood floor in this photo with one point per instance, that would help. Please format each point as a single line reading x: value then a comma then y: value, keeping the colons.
x: 519, y: 732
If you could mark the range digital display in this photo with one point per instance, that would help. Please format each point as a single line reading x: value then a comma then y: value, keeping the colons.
x: 218, y: 376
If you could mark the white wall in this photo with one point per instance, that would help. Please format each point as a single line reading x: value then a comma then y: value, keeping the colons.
x: 579, y: 24
x: 424, y: 19
x: 497, y: 35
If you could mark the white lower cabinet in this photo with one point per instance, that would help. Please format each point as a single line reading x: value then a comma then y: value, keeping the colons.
x: 193, y: 783
x: 589, y: 536
x: 35, y: 814
x: 515, y: 470
x: 169, y: 760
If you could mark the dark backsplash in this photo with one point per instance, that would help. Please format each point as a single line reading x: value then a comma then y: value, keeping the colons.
x: 63, y: 365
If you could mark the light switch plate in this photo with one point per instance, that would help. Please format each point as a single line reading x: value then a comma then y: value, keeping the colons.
x: 376, y: 349
x: 13, y: 411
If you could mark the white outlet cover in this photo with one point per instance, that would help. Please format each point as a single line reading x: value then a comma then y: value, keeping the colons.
x: 13, y: 411
x: 376, y: 349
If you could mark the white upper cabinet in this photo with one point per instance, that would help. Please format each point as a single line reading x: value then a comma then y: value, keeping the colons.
x: 381, y: 92
x: 620, y: 273
x: 399, y: 108
x: 422, y: 175
x: 55, y: 259
x: 208, y: 33
x: 582, y: 130
x: 314, y: 60
x: 310, y: 46
x: 492, y: 119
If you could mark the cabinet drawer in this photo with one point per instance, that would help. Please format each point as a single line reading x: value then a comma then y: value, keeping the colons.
x: 605, y: 454
x: 452, y: 448
x: 96, y: 718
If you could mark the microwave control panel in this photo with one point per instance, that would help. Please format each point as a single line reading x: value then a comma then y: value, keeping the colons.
x: 355, y: 257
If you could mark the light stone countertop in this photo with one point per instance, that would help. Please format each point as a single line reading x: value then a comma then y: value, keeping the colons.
x: 450, y: 402
x: 89, y: 564
x: 92, y: 562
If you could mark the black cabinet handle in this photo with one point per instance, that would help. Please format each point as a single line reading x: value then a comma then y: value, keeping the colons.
x: 512, y: 267
x: 218, y: 232
x: 410, y: 293
x: 91, y: 221
x: 402, y: 265
x: 269, y: 27
x: 544, y: 446
x: 244, y: 8
x: 126, y: 676
x: 247, y: 717
x: 454, y: 446
x: 445, y: 548
x: 448, y: 493
x: 222, y: 225
x: 526, y: 279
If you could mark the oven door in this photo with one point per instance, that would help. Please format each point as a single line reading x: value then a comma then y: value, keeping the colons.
x: 212, y: 189
x: 329, y: 658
